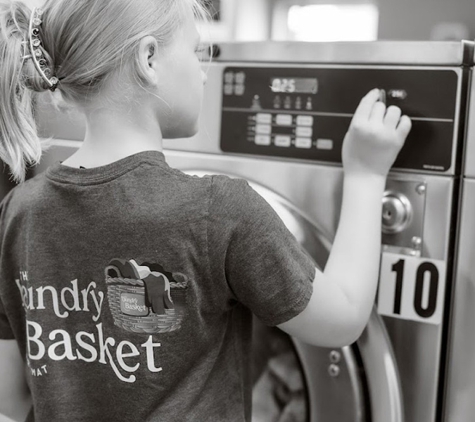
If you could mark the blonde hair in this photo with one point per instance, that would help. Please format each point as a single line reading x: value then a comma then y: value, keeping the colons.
x: 84, y: 41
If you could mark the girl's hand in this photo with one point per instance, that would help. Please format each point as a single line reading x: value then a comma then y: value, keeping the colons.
x: 374, y: 138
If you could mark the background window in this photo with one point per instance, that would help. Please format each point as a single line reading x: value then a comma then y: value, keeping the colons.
x: 325, y: 22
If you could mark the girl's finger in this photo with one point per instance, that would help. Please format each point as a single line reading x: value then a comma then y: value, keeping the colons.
x: 393, y: 114
x: 363, y: 111
x: 404, y: 126
x: 378, y: 112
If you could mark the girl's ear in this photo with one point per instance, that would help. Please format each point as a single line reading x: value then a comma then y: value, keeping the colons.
x: 147, y: 61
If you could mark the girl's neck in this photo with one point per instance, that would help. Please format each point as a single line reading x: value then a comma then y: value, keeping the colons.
x: 111, y: 136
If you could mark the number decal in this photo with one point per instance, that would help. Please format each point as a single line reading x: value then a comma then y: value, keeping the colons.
x: 426, y: 267
x: 399, y: 269
x: 411, y: 288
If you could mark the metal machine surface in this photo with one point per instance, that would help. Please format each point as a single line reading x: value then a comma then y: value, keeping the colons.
x: 275, y: 114
x: 460, y: 391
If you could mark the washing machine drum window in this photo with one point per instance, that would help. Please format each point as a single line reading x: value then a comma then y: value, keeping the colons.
x: 296, y: 382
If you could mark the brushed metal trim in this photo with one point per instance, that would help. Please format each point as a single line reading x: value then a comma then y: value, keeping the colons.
x: 378, y: 358
x: 469, y: 169
x: 378, y: 52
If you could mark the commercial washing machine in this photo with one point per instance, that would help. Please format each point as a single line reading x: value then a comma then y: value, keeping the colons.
x: 276, y: 114
x: 460, y: 391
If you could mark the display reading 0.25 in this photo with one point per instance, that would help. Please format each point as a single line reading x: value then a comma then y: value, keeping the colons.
x: 294, y: 85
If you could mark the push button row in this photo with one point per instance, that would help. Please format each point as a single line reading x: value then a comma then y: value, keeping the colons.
x: 234, y: 90
x: 286, y: 141
x: 264, y: 129
x: 284, y: 119
x: 230, y: 77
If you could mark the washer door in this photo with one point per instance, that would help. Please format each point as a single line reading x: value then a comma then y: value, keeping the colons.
x: 297, y: 382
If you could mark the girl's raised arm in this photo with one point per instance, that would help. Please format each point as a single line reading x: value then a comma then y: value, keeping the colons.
x: 343, y: 294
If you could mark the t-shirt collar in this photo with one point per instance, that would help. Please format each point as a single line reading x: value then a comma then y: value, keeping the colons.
x: 61, y: 173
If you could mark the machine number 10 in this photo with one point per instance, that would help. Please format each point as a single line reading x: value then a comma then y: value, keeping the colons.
x: 411, y: 288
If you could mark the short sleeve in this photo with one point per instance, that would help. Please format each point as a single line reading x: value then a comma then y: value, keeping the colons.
x: 265, y: 267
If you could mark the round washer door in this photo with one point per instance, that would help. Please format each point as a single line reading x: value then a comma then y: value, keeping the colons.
x: 303, y: 383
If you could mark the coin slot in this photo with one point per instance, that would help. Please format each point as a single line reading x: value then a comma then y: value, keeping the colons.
x: 397, y: 212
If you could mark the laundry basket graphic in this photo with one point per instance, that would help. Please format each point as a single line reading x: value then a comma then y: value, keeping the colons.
x: 138, y: 306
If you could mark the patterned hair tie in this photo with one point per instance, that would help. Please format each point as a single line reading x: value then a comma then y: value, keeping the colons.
x: 36, y: 54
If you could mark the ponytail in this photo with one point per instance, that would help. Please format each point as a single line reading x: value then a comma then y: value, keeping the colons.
x: 83, y: 42
x: 20, y: 145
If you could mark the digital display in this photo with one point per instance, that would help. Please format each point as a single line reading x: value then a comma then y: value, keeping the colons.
x: 294, y: 85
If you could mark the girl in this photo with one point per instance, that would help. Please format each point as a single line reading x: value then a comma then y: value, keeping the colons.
x: 126, y: 287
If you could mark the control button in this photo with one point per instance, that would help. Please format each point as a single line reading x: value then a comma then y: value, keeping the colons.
x: 264, y: 118
x: 304, y: 132
x: 262, y: 140
x: 229, y: 77
x: 298, y: 103
x: 263, y: 129
x: 239, y: 90
x: 305, y: 120
x: 229, y: 89
x: 277, y: 102
x: 397, y: 94
x: 326, y: 144
x: 283, y: 141
x: 240, y: 77
x: 284, y: 119
x: 303, y: 143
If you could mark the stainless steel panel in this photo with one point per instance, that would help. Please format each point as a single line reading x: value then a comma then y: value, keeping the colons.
x: 411, y: 53
x: 332, y: 396
x: 386, y: 406
x: 403, y: 216
x: 417, y: 346
x: 469, y: 170
x: 460, y: 394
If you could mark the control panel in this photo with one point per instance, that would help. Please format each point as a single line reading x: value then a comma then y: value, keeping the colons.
x: 304, y: 112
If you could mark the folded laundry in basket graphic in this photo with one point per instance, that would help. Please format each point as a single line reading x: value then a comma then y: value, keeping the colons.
x: 144, y: 298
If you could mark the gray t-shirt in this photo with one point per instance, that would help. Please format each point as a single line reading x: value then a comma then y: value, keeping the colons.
x: 129, y: 289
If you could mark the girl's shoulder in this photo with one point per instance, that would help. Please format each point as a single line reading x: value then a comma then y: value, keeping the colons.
x: 23, y: 194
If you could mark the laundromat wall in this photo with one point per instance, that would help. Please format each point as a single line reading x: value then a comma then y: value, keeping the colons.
x: 252, y: 20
